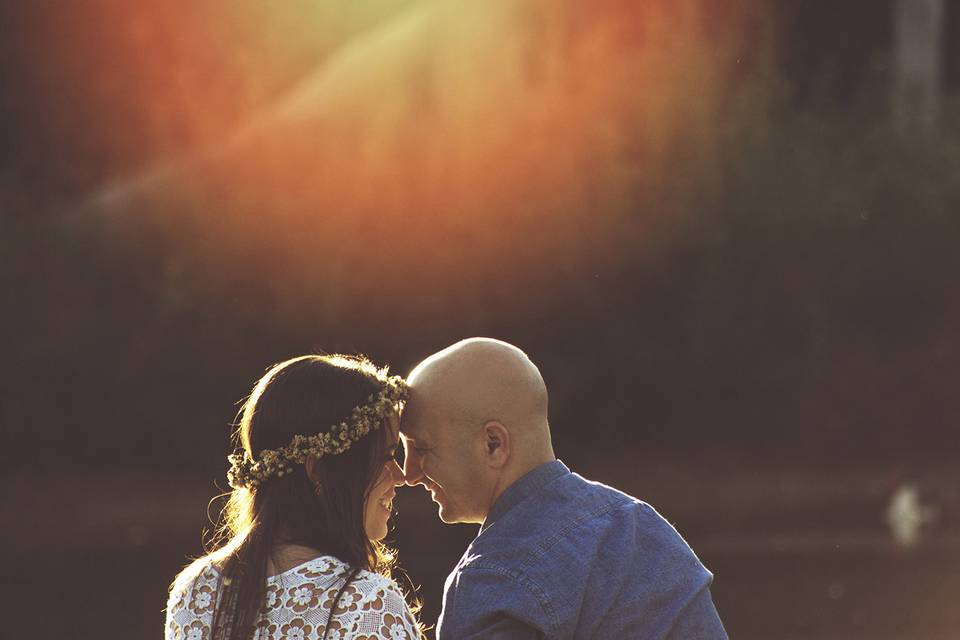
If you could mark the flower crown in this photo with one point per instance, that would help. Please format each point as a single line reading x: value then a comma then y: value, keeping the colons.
x: 247, y: 473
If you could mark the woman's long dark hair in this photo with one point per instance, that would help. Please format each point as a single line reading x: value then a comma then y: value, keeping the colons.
x: 305, y: 395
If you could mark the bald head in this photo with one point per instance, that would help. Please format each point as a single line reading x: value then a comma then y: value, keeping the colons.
x: 482, y: 379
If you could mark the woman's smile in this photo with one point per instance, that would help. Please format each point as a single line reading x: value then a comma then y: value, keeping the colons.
x: 386, y: 502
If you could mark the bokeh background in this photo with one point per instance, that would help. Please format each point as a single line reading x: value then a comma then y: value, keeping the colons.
x: 726, y: 231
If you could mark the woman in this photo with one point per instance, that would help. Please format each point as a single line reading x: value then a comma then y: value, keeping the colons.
x: 313, y: 483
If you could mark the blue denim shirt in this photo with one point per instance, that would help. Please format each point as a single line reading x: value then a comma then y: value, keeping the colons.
x: 560, y: 556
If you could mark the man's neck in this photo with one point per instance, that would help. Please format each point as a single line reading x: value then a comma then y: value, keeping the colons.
x: 511, y: 475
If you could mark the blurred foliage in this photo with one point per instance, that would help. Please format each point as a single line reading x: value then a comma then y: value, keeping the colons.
x: 111, y: 84
x: 796, y: 297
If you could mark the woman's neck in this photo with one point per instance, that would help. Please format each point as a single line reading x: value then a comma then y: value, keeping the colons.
x: 287, y: 556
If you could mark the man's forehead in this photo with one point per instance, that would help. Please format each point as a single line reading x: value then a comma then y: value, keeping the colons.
x: 406, y: 422
x: 410, y: 430
x: 414, y: 424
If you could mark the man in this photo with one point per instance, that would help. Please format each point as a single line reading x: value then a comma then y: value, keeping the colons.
x: 557, y: 556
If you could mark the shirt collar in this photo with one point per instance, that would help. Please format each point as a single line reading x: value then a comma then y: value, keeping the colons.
x: 527, y: 485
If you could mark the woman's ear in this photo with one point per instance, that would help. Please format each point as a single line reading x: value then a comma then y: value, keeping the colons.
x: 496, y: 443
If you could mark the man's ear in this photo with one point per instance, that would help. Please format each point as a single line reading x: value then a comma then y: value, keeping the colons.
x: 496, y: 441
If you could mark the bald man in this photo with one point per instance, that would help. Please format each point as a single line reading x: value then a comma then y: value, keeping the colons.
x: 557, y: 556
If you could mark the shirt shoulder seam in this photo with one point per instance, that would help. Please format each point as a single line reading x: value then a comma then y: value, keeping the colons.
x: 549, y: 542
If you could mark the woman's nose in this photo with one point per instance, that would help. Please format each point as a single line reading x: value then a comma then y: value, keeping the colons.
x: 397, y: 474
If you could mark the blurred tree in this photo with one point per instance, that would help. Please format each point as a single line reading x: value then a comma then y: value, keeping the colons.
x: 918, y: 53
x: 718, y: 241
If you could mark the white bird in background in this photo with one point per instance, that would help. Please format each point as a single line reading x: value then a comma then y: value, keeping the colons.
x: 906, y: 514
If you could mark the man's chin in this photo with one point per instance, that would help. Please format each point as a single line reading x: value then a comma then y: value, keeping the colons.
x: 444, y: 512
x: 446, y: 517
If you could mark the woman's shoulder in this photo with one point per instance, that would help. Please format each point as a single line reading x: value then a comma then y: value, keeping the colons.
x: 320, y: 569
x: 369, y: 600
x: 200, y: 572
x: 365, y: 589
x: 192, y: 598
x: 375, y: 580
x: 317, y: 568
x: 330, y: 569
x: 380, y: 607
x: 326, y: 572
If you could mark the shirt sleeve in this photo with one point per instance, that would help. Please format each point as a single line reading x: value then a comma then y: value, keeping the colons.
x: 488, y: 602
x: 507, y: 628
x: 699, y: 620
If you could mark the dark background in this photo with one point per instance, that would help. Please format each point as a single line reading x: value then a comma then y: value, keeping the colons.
x: 736, y: 272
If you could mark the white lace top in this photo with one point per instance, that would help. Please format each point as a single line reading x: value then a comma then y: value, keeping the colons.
x: 297, y: 605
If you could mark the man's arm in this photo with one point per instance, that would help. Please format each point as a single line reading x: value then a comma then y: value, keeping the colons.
x: 507, y: 628
x: 489, y: 602
x: 699, y: 620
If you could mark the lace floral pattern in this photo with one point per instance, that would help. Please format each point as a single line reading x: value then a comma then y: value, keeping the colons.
x: 297, y: 605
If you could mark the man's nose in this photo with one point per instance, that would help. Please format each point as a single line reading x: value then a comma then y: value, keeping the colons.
x: 412, y: 474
